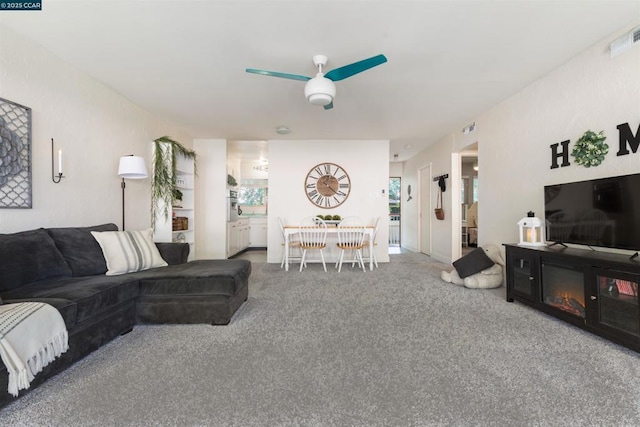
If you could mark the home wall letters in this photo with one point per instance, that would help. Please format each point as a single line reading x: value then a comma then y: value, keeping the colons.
x: 627, y: 137
x: 564, y: 154
x: 626, y: 141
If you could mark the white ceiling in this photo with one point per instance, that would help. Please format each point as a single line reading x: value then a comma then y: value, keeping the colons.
x: 448, y: 60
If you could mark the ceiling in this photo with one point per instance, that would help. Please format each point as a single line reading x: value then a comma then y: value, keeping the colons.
x: 448, y: 61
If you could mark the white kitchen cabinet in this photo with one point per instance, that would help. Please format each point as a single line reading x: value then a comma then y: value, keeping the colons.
x: 238, y: 236
x: 232, y: 238
x: 244, y: 229
x: 258, y: 232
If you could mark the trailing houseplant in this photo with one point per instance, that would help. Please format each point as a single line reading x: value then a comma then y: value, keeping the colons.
x: 590, y: 149
x: 163, y: 181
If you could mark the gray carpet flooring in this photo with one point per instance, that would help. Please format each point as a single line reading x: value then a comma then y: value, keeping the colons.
x: 392, y: 347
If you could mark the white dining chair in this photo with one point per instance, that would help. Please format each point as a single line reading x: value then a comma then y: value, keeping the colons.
x: 351, y: 234
x: 294, y: 243
x: 312, y: 233
x: 365, y: 249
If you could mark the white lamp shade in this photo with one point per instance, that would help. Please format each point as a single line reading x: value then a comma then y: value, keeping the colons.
x: 132, y: 167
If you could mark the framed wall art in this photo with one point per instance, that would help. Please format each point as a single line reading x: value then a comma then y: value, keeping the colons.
x: 15, y: 155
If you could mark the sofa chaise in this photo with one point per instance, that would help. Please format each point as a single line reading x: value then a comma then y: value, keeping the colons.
x: 66, y: 268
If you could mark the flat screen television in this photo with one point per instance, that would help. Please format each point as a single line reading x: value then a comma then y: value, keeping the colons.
x: 600, y: 212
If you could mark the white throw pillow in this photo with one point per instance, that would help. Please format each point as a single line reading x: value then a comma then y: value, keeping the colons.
x: 128, y: 251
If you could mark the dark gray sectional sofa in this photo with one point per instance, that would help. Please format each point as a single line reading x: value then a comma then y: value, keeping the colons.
x: 65, y: 267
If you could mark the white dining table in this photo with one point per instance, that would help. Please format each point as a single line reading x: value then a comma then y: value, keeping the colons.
x: 290, y: 230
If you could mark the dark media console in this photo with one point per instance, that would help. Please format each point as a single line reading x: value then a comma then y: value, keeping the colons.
x: 632, y: 257
x: 594, y: 290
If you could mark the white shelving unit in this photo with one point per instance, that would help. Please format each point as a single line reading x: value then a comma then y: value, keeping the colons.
x: 185, y: 181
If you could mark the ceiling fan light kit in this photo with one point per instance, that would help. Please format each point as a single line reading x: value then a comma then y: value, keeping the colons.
x: 321, y: 90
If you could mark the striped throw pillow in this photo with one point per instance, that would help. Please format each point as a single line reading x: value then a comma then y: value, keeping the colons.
x: 128, y: 251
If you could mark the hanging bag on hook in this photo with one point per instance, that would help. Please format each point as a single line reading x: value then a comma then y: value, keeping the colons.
x: 442, y: 183
x: 439, y: 211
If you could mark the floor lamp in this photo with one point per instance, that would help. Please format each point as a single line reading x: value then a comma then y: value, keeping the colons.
x: 131, y: 167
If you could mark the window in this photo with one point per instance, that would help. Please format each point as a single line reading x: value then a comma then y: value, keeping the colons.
x: 253, y: 192
x: 463, y: 186
x: 252, y: 196
x: 475, y: 188
x: 473, y: 191
x: 394, y: 195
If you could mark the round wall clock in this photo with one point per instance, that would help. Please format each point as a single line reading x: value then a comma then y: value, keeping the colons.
x: 327, y: 185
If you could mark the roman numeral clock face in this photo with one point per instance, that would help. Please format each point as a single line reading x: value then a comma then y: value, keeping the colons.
x: 327, y: 185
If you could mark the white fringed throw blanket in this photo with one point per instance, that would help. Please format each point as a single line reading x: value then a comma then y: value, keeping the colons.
x: 32, y: 335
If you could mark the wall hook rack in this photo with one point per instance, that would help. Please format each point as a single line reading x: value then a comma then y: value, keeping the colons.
x: 441, y: 181
x: 56, y: 178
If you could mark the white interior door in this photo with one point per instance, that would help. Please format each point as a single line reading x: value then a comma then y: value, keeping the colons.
x: 425, y: 209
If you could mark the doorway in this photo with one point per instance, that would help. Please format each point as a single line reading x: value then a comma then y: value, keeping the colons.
x: 468, y: 205
x: 395, y: 203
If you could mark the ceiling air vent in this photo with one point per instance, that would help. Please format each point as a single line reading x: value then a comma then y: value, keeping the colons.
x: 625, y: 42
x: 470, y: 128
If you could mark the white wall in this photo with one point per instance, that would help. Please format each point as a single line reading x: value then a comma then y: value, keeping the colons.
x: 366, y: 162
x: 234, y: 166
x: 93, y: 125
x: 247, y: 170
x: 439, y: 157
x: 210, y: 203
x: 591, y: 91
x: 395, y: 169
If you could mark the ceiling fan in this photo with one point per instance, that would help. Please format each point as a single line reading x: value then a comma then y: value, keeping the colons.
x: 320, y: 90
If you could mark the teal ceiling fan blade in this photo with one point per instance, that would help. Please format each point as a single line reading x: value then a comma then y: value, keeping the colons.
x: 329, y: 106
x: 355, y: 68
x: 277, y: 74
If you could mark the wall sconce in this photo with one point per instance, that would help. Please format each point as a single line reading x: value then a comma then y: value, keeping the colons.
x: 531, y: 231
x: 130, y: 167
x: 56, y: 178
